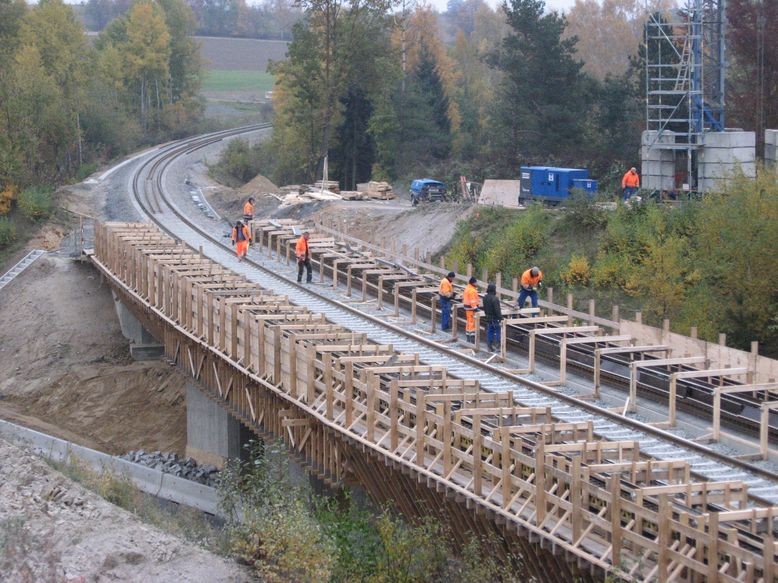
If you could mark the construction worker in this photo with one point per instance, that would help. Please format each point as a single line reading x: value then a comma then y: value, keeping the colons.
x: 446, y: 294
x: 240, y: 237
x: 303, y: 257
x: 493, y: 315
x: 248, y: 210
x: 470, y: 300
x: 630, y: 184
x: 531, y: 280
x: 248, y: 214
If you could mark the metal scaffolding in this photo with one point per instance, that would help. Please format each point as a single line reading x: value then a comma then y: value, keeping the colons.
x: 685, y: 75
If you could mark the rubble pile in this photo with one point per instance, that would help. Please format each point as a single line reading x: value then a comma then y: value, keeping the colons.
x: 170, y: 463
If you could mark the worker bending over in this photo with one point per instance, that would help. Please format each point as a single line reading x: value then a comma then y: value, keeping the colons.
x: 470, y: 300
x: 493, y: 315
x: 303, y: 257
x: 446, y: 294
x: 630, y: 183
x: 240, y: 238
x: 531, y: 280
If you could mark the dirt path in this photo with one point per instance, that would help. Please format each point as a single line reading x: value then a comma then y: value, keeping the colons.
x: 429, y: 226
x: 52, y: 529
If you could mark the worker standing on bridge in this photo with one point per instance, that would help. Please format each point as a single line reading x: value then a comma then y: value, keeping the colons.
x: 531, y: 280
x: 303, y: 257
x: 630, y: 183
x: 240, y: 237
x: 248, y: 213
x: 446, y: 294
x: 248, y: 210
x: 493, y: 315
x: 470, y: 300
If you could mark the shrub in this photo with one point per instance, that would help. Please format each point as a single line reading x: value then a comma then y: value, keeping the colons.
x: 584, y: 213
x: 36, y: 202
x: 577, y: 273
x: 7, y: 196
x: 7, y: 232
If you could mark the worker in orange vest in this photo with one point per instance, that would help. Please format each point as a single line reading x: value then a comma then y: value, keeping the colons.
x: 630, y: 183
x: 303, y: 253
x: 531, y: 280
x: 240, y: 237
x: 470, y: 300
x: 446, y: 296
x: 248, y: 210
x: 248, y: 213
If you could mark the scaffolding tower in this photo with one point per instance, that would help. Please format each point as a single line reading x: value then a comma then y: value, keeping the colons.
x: 685, y: 75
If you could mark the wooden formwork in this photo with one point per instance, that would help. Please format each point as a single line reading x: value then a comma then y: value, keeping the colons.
x: 410, y: 433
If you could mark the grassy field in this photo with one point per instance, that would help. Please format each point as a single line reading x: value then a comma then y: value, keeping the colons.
x: 232, y: 80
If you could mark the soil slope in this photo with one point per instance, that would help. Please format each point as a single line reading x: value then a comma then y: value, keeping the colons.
x: 65, y: 368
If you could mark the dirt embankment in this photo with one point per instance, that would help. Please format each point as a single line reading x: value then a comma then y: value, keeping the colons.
x: 65, y: 368
x: 429, y: 226
x: 52, y: 529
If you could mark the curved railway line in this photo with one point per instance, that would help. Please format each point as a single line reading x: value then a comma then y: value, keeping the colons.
x: 149, y: 192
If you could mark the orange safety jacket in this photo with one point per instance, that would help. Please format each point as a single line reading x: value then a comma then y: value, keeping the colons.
x: 301, y: 249
x: 470, y: 297
x: 528, y: 281
x: 631, y: 180
x: 246, y: 235
x: 446, y: 288
x: 248, y: 209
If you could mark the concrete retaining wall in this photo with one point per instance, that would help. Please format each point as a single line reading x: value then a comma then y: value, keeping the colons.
x: 657, y: 165
x: 154, y: 482
x: 771, y: 148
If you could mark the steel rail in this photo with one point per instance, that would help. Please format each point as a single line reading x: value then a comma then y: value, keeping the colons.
x: 159, y: 161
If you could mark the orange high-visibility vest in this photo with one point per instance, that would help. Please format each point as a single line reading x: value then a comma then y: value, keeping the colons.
x: 446, y: 288
x: 301, y: 249
x: 631, y: 180
x: 528, y: 280
x: 470, y: 297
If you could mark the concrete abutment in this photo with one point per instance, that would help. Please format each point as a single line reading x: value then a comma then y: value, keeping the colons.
x: 143, y: 344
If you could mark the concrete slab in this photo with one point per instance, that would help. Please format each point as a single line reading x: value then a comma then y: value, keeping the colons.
x: 729, y: 139
x: 710, y: 155
x: 500, y: 193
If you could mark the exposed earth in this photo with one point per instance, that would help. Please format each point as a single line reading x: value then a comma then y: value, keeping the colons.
x: 53, y: 529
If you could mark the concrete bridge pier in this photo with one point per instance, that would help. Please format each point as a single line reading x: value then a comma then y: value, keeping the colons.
x: 143, y: 345
x: 212, y: 434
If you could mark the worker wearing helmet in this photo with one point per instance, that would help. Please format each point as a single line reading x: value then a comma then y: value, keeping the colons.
x: 240, y: 237
x: 630, y: 183
x: 446, y: 296
x: 471, y: 301
x: 531, y: 280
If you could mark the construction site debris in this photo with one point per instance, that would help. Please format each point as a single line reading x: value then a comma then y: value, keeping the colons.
x: 378, y: 190
x: 170, y: 463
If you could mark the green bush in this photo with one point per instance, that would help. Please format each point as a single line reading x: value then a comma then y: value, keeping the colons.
x: 7, y: 232
x: 36, y: 202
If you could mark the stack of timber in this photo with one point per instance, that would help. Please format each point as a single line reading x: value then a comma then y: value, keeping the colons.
x: 331, y: 185
x: 376, y: 190
x: 572, y: 505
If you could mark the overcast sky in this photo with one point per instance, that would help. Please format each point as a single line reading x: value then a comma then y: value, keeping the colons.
x: 560, y: 5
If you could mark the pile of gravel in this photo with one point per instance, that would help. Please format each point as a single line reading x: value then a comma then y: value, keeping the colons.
x: 170, y: 463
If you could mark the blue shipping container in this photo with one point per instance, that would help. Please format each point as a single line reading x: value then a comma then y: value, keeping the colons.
x: 588, y: 185
x: 553, y: 184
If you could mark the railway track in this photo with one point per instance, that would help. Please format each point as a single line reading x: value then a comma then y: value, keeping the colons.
x: 149, y: 192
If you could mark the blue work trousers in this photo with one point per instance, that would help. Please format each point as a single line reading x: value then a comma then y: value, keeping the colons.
x: 445, y: 312
x: 493, y: 332
x: 531, y: 294
x: 629, y: 192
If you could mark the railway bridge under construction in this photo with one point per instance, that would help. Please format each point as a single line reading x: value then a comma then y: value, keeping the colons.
x: 429, y: 441
x: 377, y: 398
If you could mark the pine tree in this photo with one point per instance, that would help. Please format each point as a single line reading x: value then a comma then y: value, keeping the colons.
x: 541, y: 102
